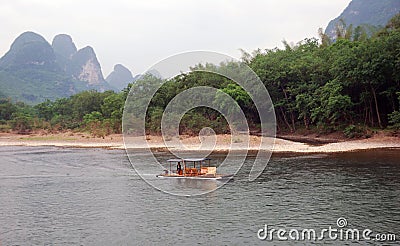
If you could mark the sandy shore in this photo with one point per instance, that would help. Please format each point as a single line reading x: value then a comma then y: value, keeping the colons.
x: 223, y: 143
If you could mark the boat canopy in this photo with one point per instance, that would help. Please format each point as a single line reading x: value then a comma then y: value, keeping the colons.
x: 174, y: 160
x: 189, y: 159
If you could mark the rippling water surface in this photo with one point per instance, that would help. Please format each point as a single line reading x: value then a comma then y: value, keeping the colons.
x: 67, y: 196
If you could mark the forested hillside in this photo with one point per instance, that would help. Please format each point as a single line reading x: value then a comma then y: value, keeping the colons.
x: 366, y: 13
x: 350, y: 86
x: 33, y: 70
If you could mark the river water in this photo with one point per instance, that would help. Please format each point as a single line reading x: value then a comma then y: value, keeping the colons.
x: 67, y: 196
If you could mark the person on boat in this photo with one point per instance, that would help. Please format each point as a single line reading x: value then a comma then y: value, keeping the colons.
x: 178, y: 168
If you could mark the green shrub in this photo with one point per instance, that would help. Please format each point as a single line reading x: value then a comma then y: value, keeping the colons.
x: 21, y: 122
x: 353, y: 131
x: 394, y: 119
x: 4, y: 128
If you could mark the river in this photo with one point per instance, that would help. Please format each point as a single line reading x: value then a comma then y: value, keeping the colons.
x: 69, y: 196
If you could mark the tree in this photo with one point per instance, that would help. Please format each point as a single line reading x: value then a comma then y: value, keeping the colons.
x: 333, y: 107
x: 112, y: 109
x: 394, y: 117
x: 45, y: 110
x: 7, y: 108
x: 324, y: 38
x: 86, y: 102
x: 21, y: 122
x: 93, y: 122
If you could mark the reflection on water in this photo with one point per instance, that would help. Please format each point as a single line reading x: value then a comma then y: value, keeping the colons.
x: 204, y: 185
x: 94, y: 197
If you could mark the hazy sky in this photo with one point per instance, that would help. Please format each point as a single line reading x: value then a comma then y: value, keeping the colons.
x: 138, y: 34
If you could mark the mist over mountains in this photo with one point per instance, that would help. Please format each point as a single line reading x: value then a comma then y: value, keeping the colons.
x: 33, y: 70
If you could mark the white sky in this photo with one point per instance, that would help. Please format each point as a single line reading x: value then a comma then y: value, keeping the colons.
x: 138, y: 34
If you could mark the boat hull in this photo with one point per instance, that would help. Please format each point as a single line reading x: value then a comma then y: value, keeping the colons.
x: 217, y: 177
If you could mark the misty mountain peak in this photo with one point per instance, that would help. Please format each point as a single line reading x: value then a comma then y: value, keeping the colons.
x: 120, y: 77
x: 64, y: 46
x: 25, y: 39
x: 86, y: 67
x: 365, y: 12
x: 58, y: 69
x: 29, y: 50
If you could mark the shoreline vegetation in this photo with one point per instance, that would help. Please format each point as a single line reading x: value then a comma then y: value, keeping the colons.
x: 349, y: 86
x: 298, y: 144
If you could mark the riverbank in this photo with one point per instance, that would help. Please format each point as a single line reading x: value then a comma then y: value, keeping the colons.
x: 115, y: 141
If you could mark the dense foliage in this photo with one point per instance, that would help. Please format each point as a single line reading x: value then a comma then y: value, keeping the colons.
x: 350, y: 85
x: 96, y: 112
